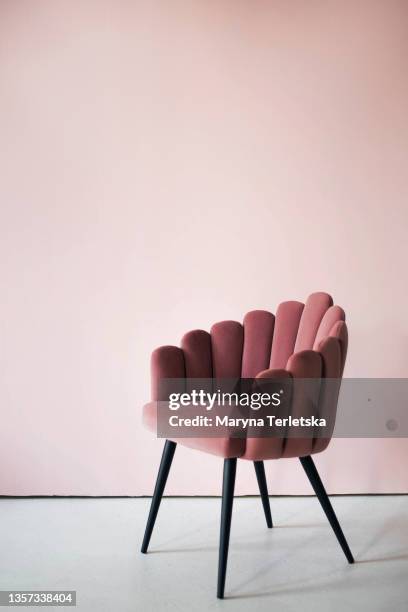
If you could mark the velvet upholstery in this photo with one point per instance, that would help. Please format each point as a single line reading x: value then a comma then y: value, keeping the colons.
x: 268, y: 447
x: 196, y: 346
x: 227, y: 340
x: 303, y: 341
x: 286, y: 327
x: 315, y: 308
x: 166, y: 362
x: 258, y: 333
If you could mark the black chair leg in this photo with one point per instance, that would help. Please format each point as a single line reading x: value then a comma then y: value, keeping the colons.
x: 164, y: 469
x: 228, y: 484
x: 313, y: 475
x: 263, y: 489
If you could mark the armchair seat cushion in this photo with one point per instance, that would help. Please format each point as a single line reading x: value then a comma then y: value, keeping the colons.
x: 221, y: 447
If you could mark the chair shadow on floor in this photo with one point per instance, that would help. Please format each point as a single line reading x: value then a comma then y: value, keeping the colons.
x: 398, y: 524
x: 161, y: 548
x: 394, y: 557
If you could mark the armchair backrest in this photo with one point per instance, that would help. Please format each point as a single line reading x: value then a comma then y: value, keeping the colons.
x: 264, y: 340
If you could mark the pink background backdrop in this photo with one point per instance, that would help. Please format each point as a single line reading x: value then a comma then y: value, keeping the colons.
x: 169, y: 164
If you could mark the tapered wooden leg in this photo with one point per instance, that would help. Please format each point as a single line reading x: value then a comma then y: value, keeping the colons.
x: 228, y: 484
x: 313, y: 475
x: 164, y: 469
x: 263, y: 489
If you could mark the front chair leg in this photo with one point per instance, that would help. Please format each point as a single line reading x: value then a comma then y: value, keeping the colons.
x: 164, y: 469
x: 313, y: 475
x: 228, y: 484
x: 263, y: 489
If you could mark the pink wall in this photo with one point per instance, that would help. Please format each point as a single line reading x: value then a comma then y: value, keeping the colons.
x: 168, y: 164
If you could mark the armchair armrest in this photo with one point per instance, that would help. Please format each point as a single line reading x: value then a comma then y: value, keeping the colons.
x: 166, y: 362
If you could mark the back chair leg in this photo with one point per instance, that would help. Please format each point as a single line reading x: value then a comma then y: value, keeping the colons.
x: 313, y: 475
x: 263, y: 489
x: 228, y: 485
x: 164, y: 469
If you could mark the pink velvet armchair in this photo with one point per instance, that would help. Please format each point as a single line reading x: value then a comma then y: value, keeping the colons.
x: 302, y: 341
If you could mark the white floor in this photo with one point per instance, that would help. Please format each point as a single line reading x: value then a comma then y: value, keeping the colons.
x: 92, y: 546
